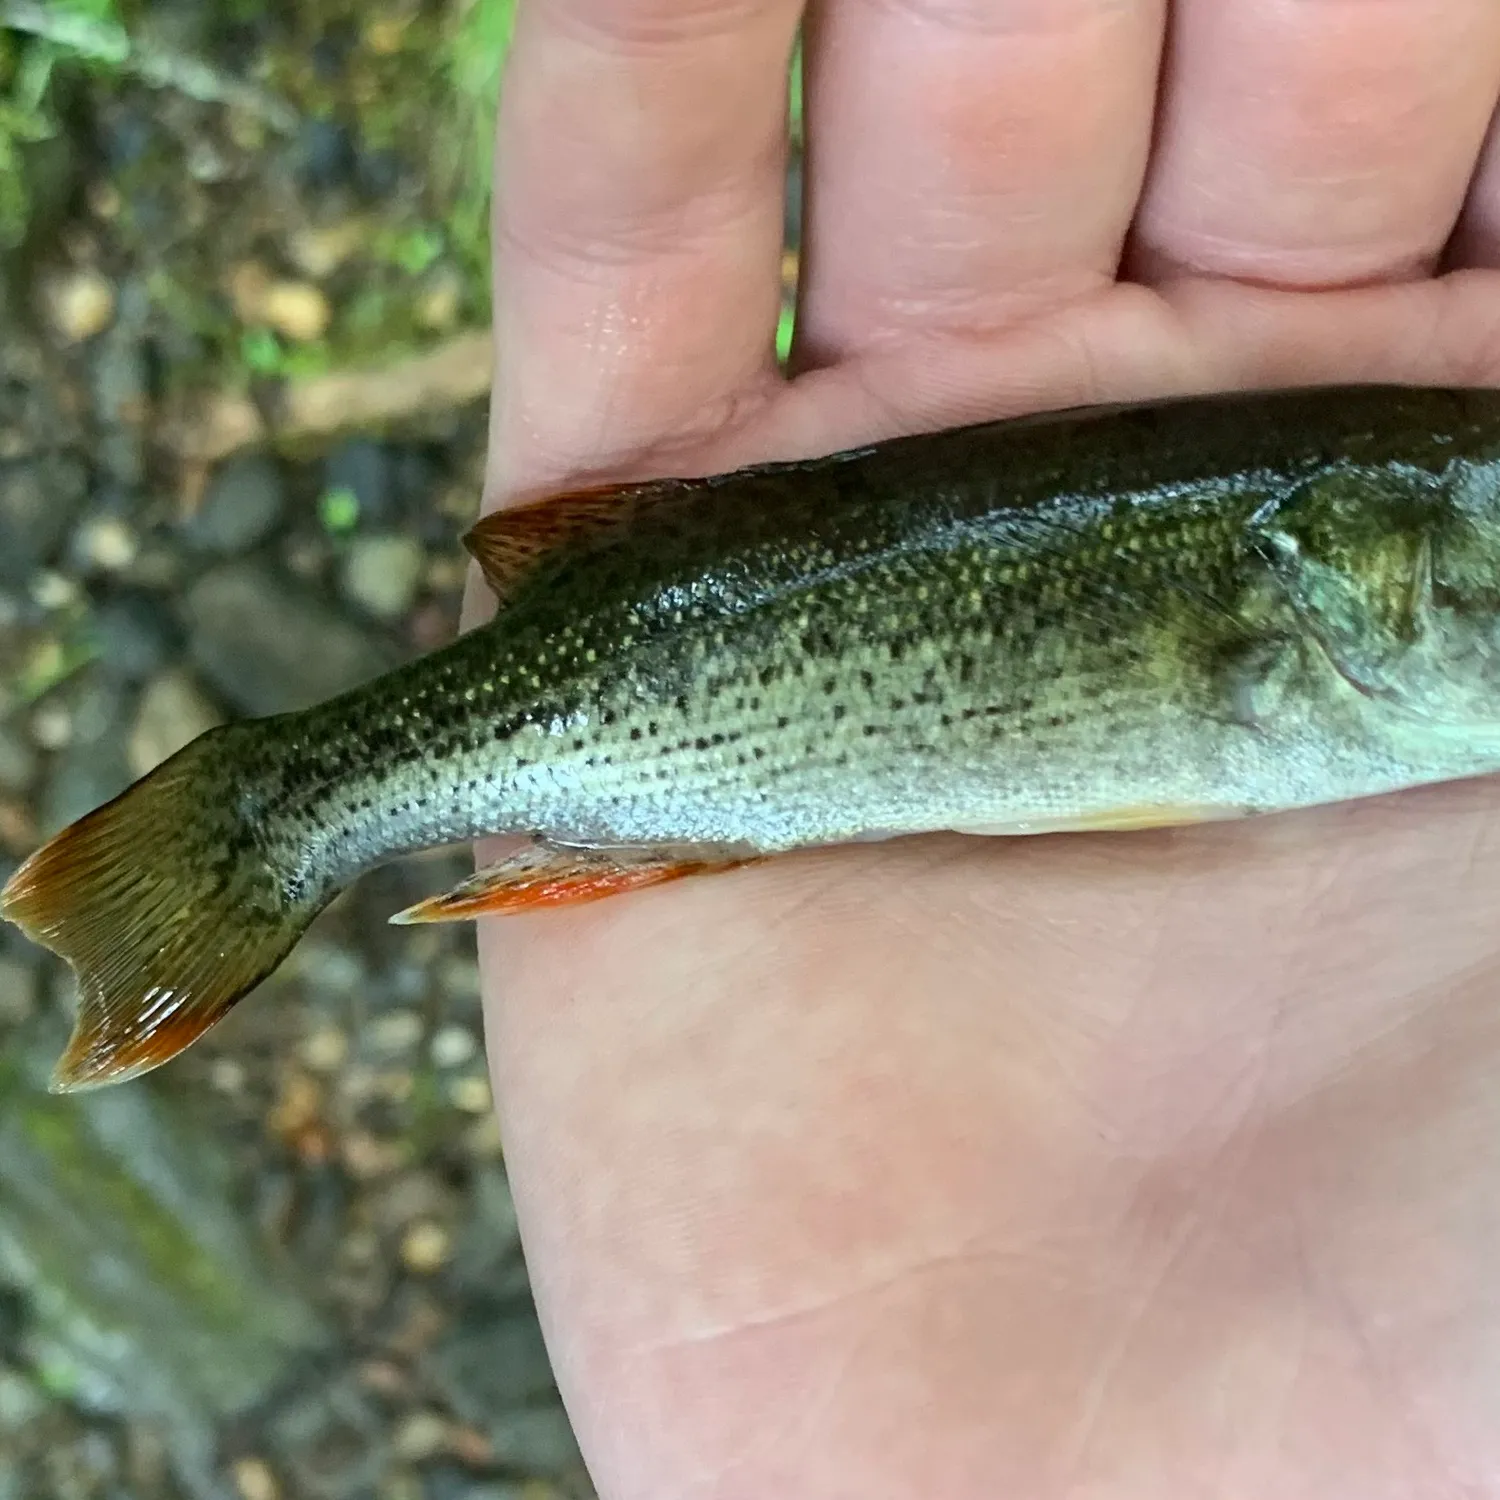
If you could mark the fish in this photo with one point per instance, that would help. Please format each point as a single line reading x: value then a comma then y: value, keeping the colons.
x: 1108, y: 618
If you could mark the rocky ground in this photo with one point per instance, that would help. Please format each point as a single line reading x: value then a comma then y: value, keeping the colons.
x: 241, y: 426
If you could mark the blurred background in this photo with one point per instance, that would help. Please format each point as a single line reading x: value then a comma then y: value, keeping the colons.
x: 243, y: 375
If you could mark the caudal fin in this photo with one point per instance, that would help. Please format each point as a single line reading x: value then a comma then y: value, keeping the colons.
x: 166, y: 908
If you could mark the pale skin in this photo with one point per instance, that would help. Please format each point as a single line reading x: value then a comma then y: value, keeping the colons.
x: 1160, y: 1165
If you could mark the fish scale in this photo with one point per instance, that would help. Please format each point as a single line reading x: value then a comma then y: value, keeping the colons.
x: 1099, y: 619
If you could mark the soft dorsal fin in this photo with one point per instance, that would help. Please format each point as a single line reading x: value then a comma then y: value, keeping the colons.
x: 508, y: 544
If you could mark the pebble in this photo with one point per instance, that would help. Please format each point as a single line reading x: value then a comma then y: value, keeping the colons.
x: 482, y: 1139
x: 538, y: 1439
x: 19, y: 833
x: 382, y: 574
x: 227, y: 1075
x: 324, y: 1049
x: 453, y: 1046
x: 97, y: 707
x: 137, y: 637
x: 206, y: 163
x: 39, y: 498
x: 471, y: 1094
x: 319, y: 250
x: 363, y: 467
x: 80, y: 304
x: 108, y: 544
x: 327, y: 153
x: 84, y: 776
x: 378, y: 173
x: 242, y: 506
x: 172, y: 712
x: 395, y: 1032
x: 52, y: 726
x: 485, y: 1367
x: 297, y: 310
x: 18, y: 760
x: 121, y: 385
x: 394, y: 1085
x: 54, y: 591
x: 105, y: 200
x: 298, y: 1107
x: 254, y: 1480
x: 425, y: 1247
x: 247, y: 283
x: 367, y: 1156
x: 17, y: 990
x: 20, y: 1401
x: 327, y: 966
x: 384, y: 1378
x: 420, y: 1436
x: 440, y: 300
x: 446, y: 575
x: 385, y: 34
x: 269, y: 644
x: 460, y: 978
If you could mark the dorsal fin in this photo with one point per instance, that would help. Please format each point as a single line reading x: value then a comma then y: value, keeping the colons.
x: 508, y: 544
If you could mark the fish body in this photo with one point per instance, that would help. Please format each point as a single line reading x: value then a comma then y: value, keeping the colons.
x: 1104, y: 618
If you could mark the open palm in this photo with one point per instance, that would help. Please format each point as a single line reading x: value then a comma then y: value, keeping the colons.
x: 1160, y: 1165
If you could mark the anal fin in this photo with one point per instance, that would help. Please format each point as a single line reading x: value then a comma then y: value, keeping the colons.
x: 1123, y: 819
x: 550, y: 875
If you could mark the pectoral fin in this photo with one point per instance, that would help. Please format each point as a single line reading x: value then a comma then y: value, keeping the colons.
x: 551, y: 875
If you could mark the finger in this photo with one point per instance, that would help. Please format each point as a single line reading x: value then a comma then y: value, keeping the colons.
x: 969, y: 160
x: 637, y: 225
x: 1476, y: 242
x: 1317, y: 144
x: 1137, y: 343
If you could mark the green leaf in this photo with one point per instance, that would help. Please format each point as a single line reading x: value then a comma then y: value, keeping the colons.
x: 338, y: 509
x: 261, y: 352
x: 785, y: 327
x: 794, y: 91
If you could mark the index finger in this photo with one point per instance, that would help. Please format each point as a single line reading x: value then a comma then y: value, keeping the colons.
x: 638, y: 219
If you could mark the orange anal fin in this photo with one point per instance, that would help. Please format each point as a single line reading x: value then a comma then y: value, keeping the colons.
x: 507, y: 544
x: 551, y: 876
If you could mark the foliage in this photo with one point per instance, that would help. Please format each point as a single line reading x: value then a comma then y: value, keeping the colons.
x: 477, y: 50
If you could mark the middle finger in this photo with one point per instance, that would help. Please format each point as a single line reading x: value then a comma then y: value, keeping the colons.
x: 1316, y: 144
x: 969, y: 161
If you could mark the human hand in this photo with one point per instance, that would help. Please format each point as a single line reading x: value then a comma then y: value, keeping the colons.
x: 1152, y: 1164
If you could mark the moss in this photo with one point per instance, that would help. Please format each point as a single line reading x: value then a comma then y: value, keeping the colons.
x: 161, y: 1245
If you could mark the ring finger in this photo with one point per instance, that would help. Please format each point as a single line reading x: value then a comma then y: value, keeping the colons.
x: 1309, y: 145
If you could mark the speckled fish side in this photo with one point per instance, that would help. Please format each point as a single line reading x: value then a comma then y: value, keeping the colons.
x: 1107, y: 618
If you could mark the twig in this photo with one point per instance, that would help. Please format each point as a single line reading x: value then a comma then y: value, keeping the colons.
x: 108, y: 42
x: 451, y: 374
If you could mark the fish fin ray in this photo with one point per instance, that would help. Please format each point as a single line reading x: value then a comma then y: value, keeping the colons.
x: 552, y: 875
x: 1123, y: 819
x: 164, y: 923
x: 508, y: 544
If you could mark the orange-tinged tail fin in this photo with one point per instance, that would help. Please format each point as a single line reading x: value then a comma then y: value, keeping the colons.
x: 166, y: 907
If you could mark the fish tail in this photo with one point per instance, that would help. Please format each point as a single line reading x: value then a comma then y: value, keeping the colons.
x: 167, y: 903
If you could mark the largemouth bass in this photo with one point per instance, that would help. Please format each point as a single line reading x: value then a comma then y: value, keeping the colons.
x: 1105, y: 618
